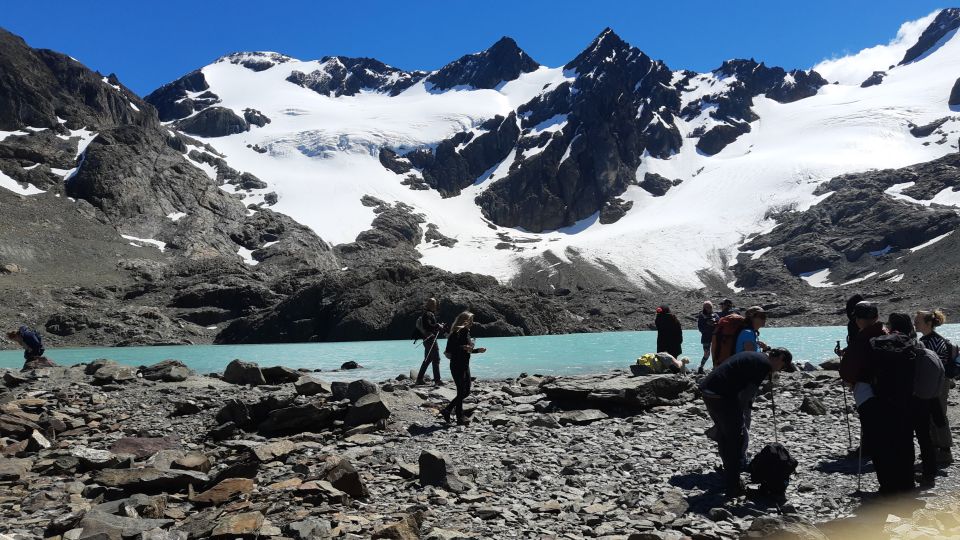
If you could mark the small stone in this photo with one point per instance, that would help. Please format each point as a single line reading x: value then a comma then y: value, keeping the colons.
x: 275, y: 450
x: 813, y: 406
x: 224, y: 491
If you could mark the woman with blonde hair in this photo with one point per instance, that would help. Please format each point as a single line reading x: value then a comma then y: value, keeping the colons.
x: 927, y: 323
x: 459, y: 348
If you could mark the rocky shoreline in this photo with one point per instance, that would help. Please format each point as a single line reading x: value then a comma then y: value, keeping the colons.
x: 109, y: 451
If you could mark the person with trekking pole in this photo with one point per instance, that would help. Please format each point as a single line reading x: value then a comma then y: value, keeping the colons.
x: 429, y: 330
x: 857, y: 373
x: 728, y: 393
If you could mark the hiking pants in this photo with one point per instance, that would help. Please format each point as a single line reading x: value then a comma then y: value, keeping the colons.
x: 431, y: 354
x: 729, y: 417
x: 460, y: 370
x: 942, y: 438
x: 922, y: 422
x: 893, y: 453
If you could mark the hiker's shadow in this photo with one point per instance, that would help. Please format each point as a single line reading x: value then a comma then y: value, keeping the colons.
x: 710, y: 483
x: 843, y: 465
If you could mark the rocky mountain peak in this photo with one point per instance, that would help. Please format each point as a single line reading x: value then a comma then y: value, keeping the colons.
x: 503, y: 61
x: 944, y: 23
x: 256, y: 60
x: 606, y: 47
x: 347, y: 76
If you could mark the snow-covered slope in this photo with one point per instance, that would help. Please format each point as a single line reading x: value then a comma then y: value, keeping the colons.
x: 321, y: 153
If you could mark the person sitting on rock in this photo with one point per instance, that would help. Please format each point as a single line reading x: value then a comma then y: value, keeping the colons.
x: 706, y: 323
x: 728, y: 392
x: 669, y: 332
x: 430, y: 330
x: 32, y: 344
x: 749, y: 338
x: 459, y: 348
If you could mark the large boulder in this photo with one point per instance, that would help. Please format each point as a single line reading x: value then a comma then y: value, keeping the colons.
x: 166, y: 371
x: 113, y: 373
x: 308, y: 386
x: 308, y: 418
x: 240, y: 372
x: 360, y: 388
x: 407, y: 528
x: 214, y: 122
x: 343, y: 476
x: 434, y: 471
x: 620, y: 391
x: 280, y: 375
x: 369, y: 409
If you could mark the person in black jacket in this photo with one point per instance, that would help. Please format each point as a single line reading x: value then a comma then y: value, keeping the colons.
x: 430, y: 330
x: 31, y: 342
x: 459, y: 348
x: 706, y: 323
x: 893, y: 357
x: 728, y: 392
x: 669, y: 332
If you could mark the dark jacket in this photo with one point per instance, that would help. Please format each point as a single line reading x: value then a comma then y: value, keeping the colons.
x: 740, y: 372
x: 669, y: 334
x: 856, y: 365
x: 893, y: 358
x: 455, y: 343
x: 706, y: 323
x: 430, y: 326
x: 31, y: 341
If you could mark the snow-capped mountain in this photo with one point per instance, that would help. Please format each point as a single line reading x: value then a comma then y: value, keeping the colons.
x: 613, y: 159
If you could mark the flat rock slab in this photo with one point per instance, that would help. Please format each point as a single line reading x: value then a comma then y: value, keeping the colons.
x: 144, y: 447
x: 275, y: 450
x: 582, y: 418
x: 224, y: 491
x: 621, y: 390
x: 14, y: 469
x: 149, y: 480
x: 238, y: 526
x: 96, y: 523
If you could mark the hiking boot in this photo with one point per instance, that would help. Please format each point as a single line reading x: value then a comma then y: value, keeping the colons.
x: 944, y: 456
x: 700, y: 371
x: 463, y: 421
x: 438, y: 384
x: 925, y: 480
x: 735, y: 490
x: 419, y: 382
x: 446, y: 415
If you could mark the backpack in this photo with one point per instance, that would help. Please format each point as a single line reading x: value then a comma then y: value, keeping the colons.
x: 927, y: 375
x: 771, y: 468
x: 725, y: 337
x: 950, y: 367
x: 419, y: 332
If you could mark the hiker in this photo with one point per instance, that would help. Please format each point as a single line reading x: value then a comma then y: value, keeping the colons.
x: 927, y: 323
x: 728, y: 392
x: 459, y: 348
x: 429, y: 330
x: 852, y: 327
x: 726, y: 308
x: 894, y: 358
x: 669, y: 332
x: 31, y: 342
x: 749, y: 338
x: 706, y: 323
x: 856, y: 371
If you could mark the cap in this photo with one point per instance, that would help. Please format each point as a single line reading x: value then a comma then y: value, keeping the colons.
x: 865, y: 310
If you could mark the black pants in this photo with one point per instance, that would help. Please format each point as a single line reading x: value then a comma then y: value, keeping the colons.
x: 729, y: 417
x: 460, y: 370
x: 431, y: 353
x: 922, y: 423
x: 891, y: 441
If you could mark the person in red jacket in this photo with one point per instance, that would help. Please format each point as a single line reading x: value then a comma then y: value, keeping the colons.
x: 858, y: 373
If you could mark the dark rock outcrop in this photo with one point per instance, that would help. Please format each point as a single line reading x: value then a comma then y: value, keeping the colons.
x: 944, y: 23
x: 874, y: 79
x: 657, y: 185
x: 718, y: 137
x: 344, y: 76
x: 214, y: 122
x: 504, y: 61
x: 954, y: 94
x: 172, y: 101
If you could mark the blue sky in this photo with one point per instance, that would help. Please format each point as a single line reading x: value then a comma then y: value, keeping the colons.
x: 149, y: 43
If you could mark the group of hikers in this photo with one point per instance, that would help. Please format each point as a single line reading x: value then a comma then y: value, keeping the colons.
x: 899, y: 374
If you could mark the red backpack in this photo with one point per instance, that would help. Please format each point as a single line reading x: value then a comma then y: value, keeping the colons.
x: 725, y: 337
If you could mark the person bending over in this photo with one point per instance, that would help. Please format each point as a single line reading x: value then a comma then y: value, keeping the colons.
x: 728, y: 392
x: 31, y: 342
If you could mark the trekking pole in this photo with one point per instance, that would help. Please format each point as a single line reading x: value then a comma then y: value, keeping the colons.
x: 860, y: 460
x: 846, y: 414
x: 773, y: 406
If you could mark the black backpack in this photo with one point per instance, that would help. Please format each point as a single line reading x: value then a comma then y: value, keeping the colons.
x: 950, y: 366
x: 771, y: 468
x: 418, y: 330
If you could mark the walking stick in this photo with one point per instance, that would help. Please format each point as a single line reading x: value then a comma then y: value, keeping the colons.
x: 860, y: 460
x: 846, y: 414
x: 773, y: 405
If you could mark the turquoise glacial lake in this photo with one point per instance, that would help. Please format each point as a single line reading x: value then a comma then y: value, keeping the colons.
x: 506, y: 357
